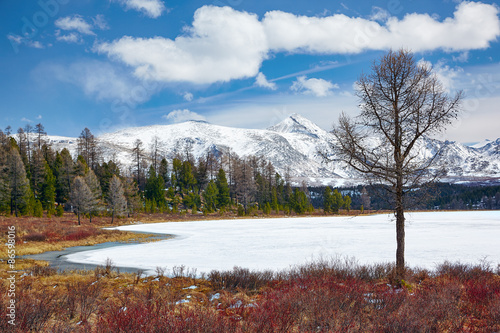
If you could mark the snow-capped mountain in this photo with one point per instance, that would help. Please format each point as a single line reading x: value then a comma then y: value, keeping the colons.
x: 292, y: 145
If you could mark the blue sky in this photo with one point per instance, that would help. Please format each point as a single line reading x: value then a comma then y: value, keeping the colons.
x: 111, y: 64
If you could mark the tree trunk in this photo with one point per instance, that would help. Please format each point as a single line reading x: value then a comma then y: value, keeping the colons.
x: 112, y: 216
x: 400, y: 234
x: 79, y: 218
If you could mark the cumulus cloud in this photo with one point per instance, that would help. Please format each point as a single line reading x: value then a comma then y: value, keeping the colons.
x: 75, y: 22
x: 316, y: 87
x: 179, y: 116
x: 224, y: 44
x: 473, y: 26
x: 151, y: 8
x: 261, y: 81
x: 448, y: 76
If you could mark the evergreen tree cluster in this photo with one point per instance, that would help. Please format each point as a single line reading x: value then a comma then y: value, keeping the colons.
x: 35, y: 178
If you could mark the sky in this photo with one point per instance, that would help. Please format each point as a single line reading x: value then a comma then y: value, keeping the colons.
x: 111, y: 64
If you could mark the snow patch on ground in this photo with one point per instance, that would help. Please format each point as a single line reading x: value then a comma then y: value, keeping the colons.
x: 279, y: 243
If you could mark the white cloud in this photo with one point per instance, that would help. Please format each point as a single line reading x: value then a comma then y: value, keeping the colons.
x: 18, y: 40
x: 473, y: 26
x: 261, y: 81
x: 151, y: 8
x: 100, y: 22
x: 39, y: 116
x: 75, y: 22
x: 223, y: 44
x: 379, y: 14
x: 72, y: 37
x: 179, y: 116
x: 447, y: 75
x: 316, y: 87
x: 26, y: 120
x: 188, y: 96
x: 463, y: 57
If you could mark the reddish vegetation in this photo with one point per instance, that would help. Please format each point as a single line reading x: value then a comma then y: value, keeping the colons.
x: 321, y: 297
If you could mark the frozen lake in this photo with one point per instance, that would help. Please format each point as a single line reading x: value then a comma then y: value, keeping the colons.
x: 278, y: 243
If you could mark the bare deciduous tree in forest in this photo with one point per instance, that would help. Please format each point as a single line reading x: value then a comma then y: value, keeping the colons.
x: 401, y: 101
x: 116, y: 198
x: 80, y: 196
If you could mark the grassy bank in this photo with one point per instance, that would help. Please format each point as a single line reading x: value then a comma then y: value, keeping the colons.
x: 335, y: 296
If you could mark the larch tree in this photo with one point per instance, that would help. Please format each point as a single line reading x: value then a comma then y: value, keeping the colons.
x: 80, y: 197
x: 401, y: 101
x: 40, y: 135
x: 137, y: 157
x: 88, y: 148
x: 117, y: 202
x: 96, y: 193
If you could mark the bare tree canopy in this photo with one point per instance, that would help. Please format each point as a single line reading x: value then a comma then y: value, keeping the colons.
x: 401, y: 101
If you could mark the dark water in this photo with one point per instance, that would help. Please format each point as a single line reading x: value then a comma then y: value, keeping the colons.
x: 57, y: 259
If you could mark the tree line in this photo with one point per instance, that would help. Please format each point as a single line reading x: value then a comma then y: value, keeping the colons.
x: 35, y: 178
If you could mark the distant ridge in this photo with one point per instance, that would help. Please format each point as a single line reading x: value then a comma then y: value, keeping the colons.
x: 291, y: 145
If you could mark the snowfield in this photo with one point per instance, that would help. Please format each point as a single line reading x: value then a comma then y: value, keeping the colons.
x: 279, y: 243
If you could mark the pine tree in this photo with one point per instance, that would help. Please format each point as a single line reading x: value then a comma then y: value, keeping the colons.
x: 327, y: 200
x: 64, y: 175
x: 154, y: 190
x: 80, y: 197
x: 210, y: 196
x: 223, y: 198
x: 300, y: 203
x: 337, y: 201
x: 116, y: 199
x: 37, y: 171
x: 48, y: 191
x: 19, y: 184
x: 347, y: 202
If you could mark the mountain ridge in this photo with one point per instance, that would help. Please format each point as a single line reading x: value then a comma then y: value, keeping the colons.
x: 292, y: 146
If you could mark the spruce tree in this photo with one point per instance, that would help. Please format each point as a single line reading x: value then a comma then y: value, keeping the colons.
x: 48, y: 191
x: 19, y: 184
x: 210, y: 196
x: 223, y: 198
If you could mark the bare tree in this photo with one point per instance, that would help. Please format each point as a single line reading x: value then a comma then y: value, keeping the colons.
x: 116, y: 198
x: 88, y: 147
x: 156, y: 148
x: 96, y: 193
x: 137, y: 157
x: 40, y: 135
x: 28, y: 129
x: 80, y: 196
x: 401, y: 101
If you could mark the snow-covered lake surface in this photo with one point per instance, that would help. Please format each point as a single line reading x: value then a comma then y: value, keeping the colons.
x: 279, y: 243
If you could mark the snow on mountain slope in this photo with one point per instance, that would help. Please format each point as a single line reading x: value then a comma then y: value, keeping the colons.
x: 293, y: 145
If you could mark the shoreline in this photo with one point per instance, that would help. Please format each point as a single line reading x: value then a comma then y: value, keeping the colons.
x: 58, y: 260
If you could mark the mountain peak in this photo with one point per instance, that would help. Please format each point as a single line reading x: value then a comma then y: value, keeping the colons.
x: 296, y: 123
